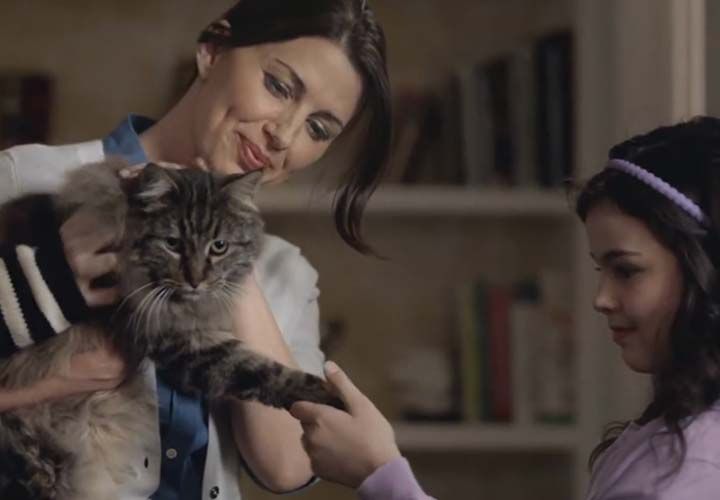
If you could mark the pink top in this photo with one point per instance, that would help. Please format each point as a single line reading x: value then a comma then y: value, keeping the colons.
x: 639, y: 465
x: 392, y: 481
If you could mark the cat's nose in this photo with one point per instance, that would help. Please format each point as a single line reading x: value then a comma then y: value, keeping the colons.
x: 194, y: 275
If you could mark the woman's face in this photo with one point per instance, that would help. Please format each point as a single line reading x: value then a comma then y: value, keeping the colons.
x: 640, y: 285
x: 275, y: 107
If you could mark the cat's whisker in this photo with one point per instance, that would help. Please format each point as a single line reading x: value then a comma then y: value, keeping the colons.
x: 127, y: 297
x: 141, y: 310
x: 226, y: 300
x: 233, y: 288
x: 150, y: 314
x: 162, y: 301
x: 153, y: 318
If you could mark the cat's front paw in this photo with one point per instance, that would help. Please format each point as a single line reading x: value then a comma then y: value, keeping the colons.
x: 313, y: 389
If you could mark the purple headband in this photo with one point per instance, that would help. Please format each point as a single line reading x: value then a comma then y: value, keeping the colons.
x: 660, y: 186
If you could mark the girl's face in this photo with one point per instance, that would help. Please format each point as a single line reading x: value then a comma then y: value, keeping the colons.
x: 275, y: 107
x: 640, y: 285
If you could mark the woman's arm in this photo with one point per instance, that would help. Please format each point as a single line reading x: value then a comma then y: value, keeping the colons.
x: 267, y: 438
x: 40, y: 280
x: 98, y: 370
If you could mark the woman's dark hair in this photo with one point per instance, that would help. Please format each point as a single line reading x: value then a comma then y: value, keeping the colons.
x: 687, y: 156
x: 352, y: 25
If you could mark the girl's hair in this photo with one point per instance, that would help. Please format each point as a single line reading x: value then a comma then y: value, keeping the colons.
x: 352, y: 25
x: 687, y: 156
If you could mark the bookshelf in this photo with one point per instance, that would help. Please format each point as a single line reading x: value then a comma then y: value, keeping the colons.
x: 418, y: 201
x: 475, y: 437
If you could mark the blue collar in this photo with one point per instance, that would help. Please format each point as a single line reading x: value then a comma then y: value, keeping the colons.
x: 124, y: 141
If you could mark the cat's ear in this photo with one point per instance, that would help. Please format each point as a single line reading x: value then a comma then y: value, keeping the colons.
x: 243, y: 187
x: 152, y: 184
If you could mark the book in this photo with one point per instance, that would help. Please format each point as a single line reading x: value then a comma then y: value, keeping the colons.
x: 525, y: 316
x: 555, y: 138
x: 469, y: 353
x: 498, y: 362
x: 515, y: 350
x: 522, y: 115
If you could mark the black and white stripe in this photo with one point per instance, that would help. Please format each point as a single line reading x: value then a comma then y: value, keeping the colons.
x: 38, y: 296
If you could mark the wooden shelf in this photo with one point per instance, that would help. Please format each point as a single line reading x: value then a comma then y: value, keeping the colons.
x: 485, y: 437
x: 421, y: 200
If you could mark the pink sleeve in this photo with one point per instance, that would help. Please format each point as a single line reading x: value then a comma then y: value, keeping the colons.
x: 392, y: 481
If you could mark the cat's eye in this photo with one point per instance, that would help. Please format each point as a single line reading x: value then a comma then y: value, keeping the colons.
x: 218, y: 248
x: 173, y: 244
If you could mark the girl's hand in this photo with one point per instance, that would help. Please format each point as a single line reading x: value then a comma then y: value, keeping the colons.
x: 345, y: 448
x: 85, y: 240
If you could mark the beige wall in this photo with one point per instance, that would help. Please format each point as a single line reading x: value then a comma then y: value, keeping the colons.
x: 111, y: 57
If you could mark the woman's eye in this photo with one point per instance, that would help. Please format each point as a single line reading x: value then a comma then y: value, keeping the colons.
x: 276, y: 87
x: 173, y: 244
x: 219, y: 247
x: 317, y: 131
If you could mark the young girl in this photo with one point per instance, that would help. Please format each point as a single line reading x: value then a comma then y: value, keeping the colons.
x: 277, y: 82
x: 652, y: 218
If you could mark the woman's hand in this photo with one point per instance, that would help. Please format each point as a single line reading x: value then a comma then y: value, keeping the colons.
x: 101, y: 369
x: 85, y: 240
x: 345, y: 448
x: 97, y: 370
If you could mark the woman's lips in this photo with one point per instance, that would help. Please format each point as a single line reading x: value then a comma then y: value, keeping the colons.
x: 250, y: 156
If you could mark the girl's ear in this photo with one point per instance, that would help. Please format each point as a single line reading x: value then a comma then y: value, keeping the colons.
x: 207, y: 52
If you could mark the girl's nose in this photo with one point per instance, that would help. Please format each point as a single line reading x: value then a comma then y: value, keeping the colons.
x: 605, y: 301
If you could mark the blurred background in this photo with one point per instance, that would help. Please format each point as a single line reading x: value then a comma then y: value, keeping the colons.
x: 475, y: 333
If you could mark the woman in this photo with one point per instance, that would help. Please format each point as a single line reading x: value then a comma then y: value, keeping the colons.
x: 652, y: 218
x: 277, y: 82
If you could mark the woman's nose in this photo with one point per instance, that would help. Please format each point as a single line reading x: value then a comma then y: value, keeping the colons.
x: 277, y: 141
x: 282, y: 131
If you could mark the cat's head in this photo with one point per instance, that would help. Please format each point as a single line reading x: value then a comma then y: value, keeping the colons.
x: 190, y: 234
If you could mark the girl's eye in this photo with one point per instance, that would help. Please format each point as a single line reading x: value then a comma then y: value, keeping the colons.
x: 317, y: 131
x: 219, y: 247
x: 173, y: 244
x: 276, y: 87
x: 626, y: 272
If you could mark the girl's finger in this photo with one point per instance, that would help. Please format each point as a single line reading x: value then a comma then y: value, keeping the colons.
x: 95, y: 297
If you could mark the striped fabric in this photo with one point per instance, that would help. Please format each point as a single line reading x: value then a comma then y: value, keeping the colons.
x: 38, y: 296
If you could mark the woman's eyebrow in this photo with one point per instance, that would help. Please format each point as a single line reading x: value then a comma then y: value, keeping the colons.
x: 296, y: 80
x: 301, y: 89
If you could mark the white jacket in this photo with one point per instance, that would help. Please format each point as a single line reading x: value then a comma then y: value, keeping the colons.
x: 288, y: 281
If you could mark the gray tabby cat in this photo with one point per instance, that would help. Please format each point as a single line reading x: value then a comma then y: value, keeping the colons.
x: 190, y: 239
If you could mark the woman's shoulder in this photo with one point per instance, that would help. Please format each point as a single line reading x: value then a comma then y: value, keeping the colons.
x: 38, y: 168
x: 81, y: 152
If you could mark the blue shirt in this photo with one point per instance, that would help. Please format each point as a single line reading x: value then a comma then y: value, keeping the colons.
x: 183, y: 419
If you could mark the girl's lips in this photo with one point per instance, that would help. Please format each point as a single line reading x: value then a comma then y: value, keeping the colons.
x: 620, y: 334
